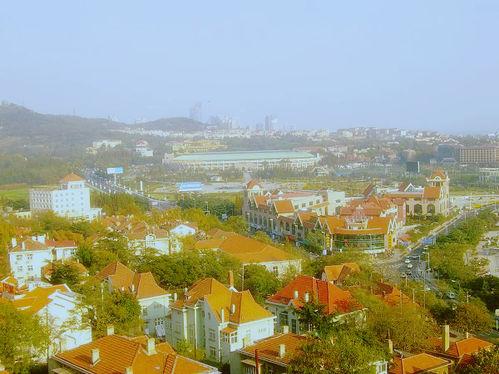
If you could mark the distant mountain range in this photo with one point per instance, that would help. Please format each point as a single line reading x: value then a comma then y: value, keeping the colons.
x: 22, y: 125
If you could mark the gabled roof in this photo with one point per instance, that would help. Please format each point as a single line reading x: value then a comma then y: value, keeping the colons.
x: 30, y: 245
x: 283, y: 206
x: 431, y: 192
x: 252, y: 183
x: 61, y: 243
x: 120, y: 277
x: 268, y: 348
x: 420, y: 363
x: 335, y: 273
x: 459, y: 348
x: 71, y: 177
x: 438, y: 173
x: 334, y: 299
x: 38, y: 298
x: 391, y: 295
x: 220, y: 297
x: 116, y: 353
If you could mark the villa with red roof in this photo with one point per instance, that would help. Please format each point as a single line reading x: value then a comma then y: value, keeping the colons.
x: 30, y: 255
x: 114, y: 354
x: 286, y: 214
x: 153, y: 299
x: 218, y: 319
x: 304, y: 289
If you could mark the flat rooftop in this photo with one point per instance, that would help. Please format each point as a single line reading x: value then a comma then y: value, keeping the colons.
x: 245, y: 156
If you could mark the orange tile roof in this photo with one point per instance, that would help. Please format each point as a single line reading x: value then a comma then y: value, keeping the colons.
x: 35, y: 300
x: 339, y: 272
x: 332, y: 297
x: 142, y: 285
x: 71, y: 177
x: 116, y: 353
x: 220, y: 297
x: 252, y: 183
x: 283, y: 206
x: 439, y: 173
x: 420, y: 363
x: 260, y: 200
x: 269, y: 348
x: 391, y: 295
x: 459, y: 348
x: 29, y: 245
x: 248, y: 250
x: 431, y: 192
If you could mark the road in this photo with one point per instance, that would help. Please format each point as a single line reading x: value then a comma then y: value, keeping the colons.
x: 415, y: 264
x: 106, y: 185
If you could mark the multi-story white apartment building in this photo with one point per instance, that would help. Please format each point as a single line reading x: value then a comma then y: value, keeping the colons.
x: 29, y: 256
x: 71, y: 199
x: 218, y: 319
x: 58, y: 308
x: 153, y: 299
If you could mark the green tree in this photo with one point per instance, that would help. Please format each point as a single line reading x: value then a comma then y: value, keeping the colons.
x: 315, y: 241
x: 23, y: 339
x: 65, y: 273
x: 484, y: 362
x: 103, y: 308
x: 471, y: 317
x: 345, y: 352
x: 313, y: 318
x: 260, y: 282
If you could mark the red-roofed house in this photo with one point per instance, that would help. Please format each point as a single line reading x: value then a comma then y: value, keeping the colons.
x: 153, y: 299
x: 218, y: 319
x: 304, y: 289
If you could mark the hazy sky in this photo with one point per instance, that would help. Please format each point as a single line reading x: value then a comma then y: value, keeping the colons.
x: 319, y: 64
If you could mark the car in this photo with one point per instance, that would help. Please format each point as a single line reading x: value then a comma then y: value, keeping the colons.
x: 408, y: 272
x: 403, y: 275
x: 407, y: 261
x: 409, y: 266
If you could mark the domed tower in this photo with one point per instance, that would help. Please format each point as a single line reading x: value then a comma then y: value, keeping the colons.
x: 439, y: 178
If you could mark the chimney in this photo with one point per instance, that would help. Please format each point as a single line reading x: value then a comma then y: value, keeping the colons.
x: 232, y: 308
x: 95, y: 355
x: 2, y: 367
x: 467, y: 335
x: 132, y: 288
x: 285, y: 329
x: 445, y: 338
x: 186, y: 296
x: 13, y: 242
x: 129, y: 370
x: 295, y: 294
x: 231, y: 279
x: 151, y: 346
x: 222, y: 315
x: 110, y: 330
x: 23, y: 245
x: 282, y: 350
x: 390, y: 346
x: 307, y: 297
x: 175, y: 296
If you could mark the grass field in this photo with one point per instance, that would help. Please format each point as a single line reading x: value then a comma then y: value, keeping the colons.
x: 14, y: 192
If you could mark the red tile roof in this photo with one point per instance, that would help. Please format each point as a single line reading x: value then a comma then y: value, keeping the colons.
x: 72, y: 177
x: 420, y: 363
x: 334, y: 299
x: 268, y: 348
x: 116, y: 353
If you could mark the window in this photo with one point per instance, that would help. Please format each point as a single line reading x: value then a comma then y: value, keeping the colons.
x: 211, y: 335
x: 30, y: 256
x: 294, y: 326
x: 275, y: 269
x: 213, y: 352
x: 283, y: 319
x: 30, y: 267
x: 19, y: 257
x: 233, y: 337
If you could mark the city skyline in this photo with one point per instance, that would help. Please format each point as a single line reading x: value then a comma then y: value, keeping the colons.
x: 311, y: 64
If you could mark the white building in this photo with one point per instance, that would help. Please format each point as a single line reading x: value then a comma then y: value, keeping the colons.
x: 106, y: 144
x: 57, y: 306
x: 142, y: 148
x: 153, y: 299
x: 71, y: 199
x: 217, y: 319
x: 29, y: 256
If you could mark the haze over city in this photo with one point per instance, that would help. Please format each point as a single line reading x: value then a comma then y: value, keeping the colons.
x: 313, y: 64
